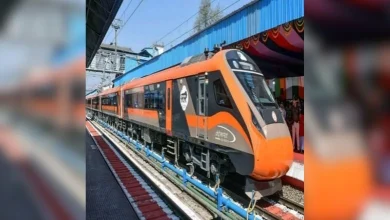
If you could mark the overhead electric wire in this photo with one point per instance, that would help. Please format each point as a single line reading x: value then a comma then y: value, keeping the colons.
x: 182, y: 23
x: 199, y: 24
x: 123, y: 13
x: 130, y: 17
x: 125, y: 9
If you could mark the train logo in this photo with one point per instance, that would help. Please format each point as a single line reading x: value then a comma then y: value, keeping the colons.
x: 274, y: 116
x: 184, y: 98
x: 223, y: 135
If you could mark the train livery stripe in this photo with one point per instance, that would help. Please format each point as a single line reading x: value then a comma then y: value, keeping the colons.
x: 142, y: 112
x: 218, y: 119
x: 110, y: 108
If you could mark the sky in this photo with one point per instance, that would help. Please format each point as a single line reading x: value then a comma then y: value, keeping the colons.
x: 155, y: 18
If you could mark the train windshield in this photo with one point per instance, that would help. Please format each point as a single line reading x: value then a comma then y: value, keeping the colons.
x: 257, y: 89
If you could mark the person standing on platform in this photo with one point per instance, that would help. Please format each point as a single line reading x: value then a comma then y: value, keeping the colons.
x: 289, y: 120
x: 283, y: 110
x: 301, y: 131
x: 295, y: 127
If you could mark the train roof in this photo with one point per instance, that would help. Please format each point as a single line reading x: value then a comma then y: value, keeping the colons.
x: 109, y: 91
x: 181, y: 71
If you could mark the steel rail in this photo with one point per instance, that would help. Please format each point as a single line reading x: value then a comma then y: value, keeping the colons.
x: 292, y: 204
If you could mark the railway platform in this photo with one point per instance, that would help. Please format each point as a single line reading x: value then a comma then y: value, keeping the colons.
x: 295, y: 176
x: 105, y: 198
x: 121, y: 185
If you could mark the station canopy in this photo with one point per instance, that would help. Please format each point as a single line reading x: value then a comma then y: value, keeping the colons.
x: 100, y: 14
x: 278, y: 51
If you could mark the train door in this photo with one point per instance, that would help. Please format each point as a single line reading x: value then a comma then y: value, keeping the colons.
x: 161, y: 103
x: 121, y: 102
x: 100, y: 103
x: 202, y: 108
x: 169, y: 108
x: 117, y: 100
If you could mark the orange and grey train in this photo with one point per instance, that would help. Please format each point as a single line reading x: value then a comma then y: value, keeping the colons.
x: 214, y: 112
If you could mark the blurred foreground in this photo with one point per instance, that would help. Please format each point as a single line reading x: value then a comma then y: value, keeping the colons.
x: 42, y: 87
x: 347, y: 70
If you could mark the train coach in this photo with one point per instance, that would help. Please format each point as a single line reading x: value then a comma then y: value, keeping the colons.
x: 55, y: 96
x: 214, y: 111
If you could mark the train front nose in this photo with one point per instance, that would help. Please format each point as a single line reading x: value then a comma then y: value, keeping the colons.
x: 273, y: 158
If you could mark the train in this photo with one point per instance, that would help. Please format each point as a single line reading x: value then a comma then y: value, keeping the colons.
x: 54, y: 96
x: 214, y: 112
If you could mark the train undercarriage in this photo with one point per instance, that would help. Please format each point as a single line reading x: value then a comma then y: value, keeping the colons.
x: 212, y: 166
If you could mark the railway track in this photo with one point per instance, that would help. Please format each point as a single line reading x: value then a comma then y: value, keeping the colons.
x: 271, y: 210
x: 292, y: 204
x: 188, y: 207
x: 279, y: 209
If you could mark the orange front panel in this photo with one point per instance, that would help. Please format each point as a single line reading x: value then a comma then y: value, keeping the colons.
x: 192, y: 120
x: 273, y: 157
x: 213, y: 121
x: 169, y: 107
x: 201, y: 122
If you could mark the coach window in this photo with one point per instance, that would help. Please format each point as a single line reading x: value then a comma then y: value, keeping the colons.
x: 157, y: 100
x: 95, y: 102
x: 128, y: 100
x: 140, y: 102
x: 221, y: 96
x: 147, y: 99
x: 105, y: 101
x: 160, y: 100
x: 153, y: 100
x: 134, y: 100
x: 114, y: 100
x: 150, y: 99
